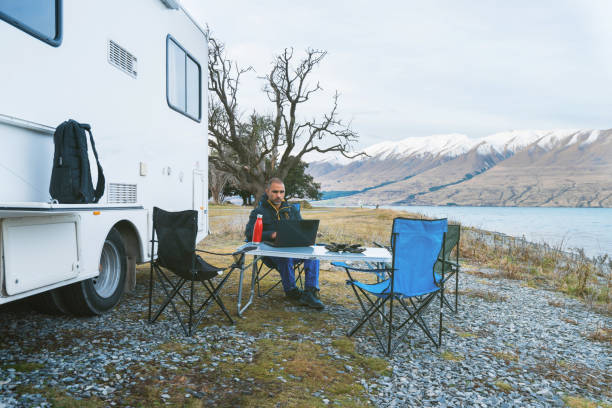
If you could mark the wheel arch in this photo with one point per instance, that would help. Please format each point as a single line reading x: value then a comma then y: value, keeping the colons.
x: 131, y: 239
x: 133, y: 250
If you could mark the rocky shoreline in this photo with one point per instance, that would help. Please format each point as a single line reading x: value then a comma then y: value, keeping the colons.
x: 509, y: 345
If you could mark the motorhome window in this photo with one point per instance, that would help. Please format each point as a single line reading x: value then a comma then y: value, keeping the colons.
x: 183, y: 81
x: 39, y: 18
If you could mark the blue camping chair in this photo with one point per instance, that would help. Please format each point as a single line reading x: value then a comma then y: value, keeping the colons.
x: 411, y: 285
x: 452, y: 267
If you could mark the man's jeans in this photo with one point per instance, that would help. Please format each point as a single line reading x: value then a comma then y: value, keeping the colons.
x: 287, y: 273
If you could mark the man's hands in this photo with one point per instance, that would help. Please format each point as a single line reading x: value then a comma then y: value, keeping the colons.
x: 273, y: 235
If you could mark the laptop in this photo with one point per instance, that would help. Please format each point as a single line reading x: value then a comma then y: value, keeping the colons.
x: 294, y: 233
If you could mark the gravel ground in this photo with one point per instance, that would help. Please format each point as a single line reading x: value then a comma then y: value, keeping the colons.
x: 509, y: 345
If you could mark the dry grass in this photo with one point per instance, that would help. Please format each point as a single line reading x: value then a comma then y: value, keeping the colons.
x: 22, y: 366
x: 450, y: 356
x: 466, y: 335
x: 541, y: 266
x: 601, y: 334
x: 284, y: 370
x: 61, y: 399
x: 507, y: 356
x: 504, y: 386
x: 569, y: 321
x: 487, y: 295
x: 587, y: 378
x: 556, y: 303
x: 580, y: 402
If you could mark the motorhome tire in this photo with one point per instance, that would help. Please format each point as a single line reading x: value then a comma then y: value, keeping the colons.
x: 98, y: 295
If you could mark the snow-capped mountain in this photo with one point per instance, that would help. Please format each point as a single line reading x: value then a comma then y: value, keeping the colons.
x: 451, y: 145
x: 410, y: 170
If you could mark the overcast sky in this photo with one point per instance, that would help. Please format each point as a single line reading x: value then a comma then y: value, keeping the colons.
x: 418, y: 68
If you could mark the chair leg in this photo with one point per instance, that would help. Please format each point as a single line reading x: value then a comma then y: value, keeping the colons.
x: 270, y: 289
x: 390, y: 324
x: 441, y: 312
x: 365, y: 311
x: 213, y: 294
x: 457, y: 291
x: 191, y: 308
x: 150, y: 290
x: 447, y: 302
x: 415, y: 316
x: 260, y: 277
x: 300, y: 268
x: 376, y: 307
x: 170, y: 299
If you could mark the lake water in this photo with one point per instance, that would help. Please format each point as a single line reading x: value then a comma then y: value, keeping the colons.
x: 587, y: 228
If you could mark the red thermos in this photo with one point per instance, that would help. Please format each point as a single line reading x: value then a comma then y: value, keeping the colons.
x: 258, y: 229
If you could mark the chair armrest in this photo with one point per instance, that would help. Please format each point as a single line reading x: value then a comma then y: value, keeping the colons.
x: 242, y: 251
x: 378, y: 244
x: 346, y: 266
x: 451, y: 263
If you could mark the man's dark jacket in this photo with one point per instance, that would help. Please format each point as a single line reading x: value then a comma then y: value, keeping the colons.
x: 270, y: 214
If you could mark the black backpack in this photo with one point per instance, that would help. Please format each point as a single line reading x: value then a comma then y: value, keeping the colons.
x: 71, y: 178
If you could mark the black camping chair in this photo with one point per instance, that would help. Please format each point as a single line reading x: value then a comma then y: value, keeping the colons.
x: 176, y: 252
x: 445, y: 264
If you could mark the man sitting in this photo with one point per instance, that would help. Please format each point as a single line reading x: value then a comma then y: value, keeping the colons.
x: 273, y: 207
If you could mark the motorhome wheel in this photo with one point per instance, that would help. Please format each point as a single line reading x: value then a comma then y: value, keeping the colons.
x: 100, y: 294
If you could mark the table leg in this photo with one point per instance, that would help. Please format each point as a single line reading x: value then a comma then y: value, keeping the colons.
x: 240, y: 287
x: 252, y: 295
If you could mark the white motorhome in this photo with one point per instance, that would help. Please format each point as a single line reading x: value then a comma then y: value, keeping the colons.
x: 135, y: 71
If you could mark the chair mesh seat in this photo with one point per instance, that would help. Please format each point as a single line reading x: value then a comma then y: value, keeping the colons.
x: 384, y: 288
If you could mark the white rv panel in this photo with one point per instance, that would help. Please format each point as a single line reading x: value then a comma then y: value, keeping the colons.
x: 110, y: 71
x: 133, y: 125
x: 25, y: 164
x: 39, y: 251
x: 199, y: 197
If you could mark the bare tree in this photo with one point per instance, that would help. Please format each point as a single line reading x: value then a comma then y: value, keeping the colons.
x: 217, y: 181
x: 259, y: 147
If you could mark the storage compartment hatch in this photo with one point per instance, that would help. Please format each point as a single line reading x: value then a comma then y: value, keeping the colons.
x: 39, y: 251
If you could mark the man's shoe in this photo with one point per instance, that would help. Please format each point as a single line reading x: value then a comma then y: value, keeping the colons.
x: 294, y: 294
x: 310, y: 298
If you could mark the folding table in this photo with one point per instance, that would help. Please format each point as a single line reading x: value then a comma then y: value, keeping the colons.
x: 370, y: 255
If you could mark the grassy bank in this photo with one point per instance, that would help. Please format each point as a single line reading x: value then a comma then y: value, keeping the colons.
x: 538, y: 265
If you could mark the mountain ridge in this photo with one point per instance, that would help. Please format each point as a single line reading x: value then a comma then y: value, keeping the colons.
x: 549, y: 168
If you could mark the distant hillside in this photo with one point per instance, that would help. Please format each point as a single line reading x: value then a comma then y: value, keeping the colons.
x: 517, y: 168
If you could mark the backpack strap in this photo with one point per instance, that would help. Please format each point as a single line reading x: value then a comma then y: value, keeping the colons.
x: 99, y: 191
x: 61, y: 130
x: 85, y: 175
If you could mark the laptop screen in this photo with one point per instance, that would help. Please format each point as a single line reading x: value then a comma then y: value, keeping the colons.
x: 294, y: 233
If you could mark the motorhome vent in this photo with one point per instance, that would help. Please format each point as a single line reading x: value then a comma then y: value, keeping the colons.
x: 122, y: 59
x: 120, y: 193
